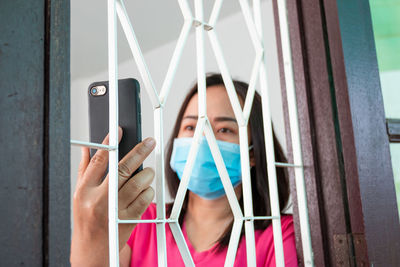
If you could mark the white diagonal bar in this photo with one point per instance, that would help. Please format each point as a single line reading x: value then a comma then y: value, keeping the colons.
x: 113, y: 140
x: 295, y: 133
x: 181, y: 243
x: 250, y: 25
x: 175, y: 61
x: 247, y: 196
x: 233, y: 242
x: 185, y: 9
x: 270, y: 150
x: 92, y: 145
x: 215, y: 12
x: 223, y: 173
x: 252, y: 86
x: 230, y: 88
x: 137, y: 53
x: 160, y: 186
x: 180, y: 195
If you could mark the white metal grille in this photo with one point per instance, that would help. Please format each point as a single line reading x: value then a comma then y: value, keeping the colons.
x: 116, y: 9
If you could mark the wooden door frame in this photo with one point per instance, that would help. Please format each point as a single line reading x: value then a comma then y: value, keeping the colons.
x: 349, y: 178
x: 35, y: 132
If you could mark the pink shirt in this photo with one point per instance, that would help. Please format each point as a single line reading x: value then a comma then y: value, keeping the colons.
x: 143, y: 242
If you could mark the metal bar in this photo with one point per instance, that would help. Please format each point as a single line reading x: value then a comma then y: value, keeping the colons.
x: 250, y: 25
x: 137, y: 53
x: 180, y: 195
x: 148, y: 221
x: 233, y: 242
x: 185, y: 9
x: 92, y: 145
x: 272, y: 179
x: 261, y: 218
x: 230, y: 88
x: 175, y: 61
x: 289, y: 165
x: 252, y: 86
x: 295, y: 133
x: 181, y: 243
x: 215, y: 12
x: 219, y: 162
x: 258, y: 21
x: 201, y: 78
x: 269, y: 148
x: 247, y: 196
x: 271, y: 164
x: 230, y: 193
x: 160, y: 186
x: 113, y: 140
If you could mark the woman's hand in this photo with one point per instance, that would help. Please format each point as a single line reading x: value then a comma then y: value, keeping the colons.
x: 89, y: 245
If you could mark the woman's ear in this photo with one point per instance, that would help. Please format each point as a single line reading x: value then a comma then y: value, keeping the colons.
x: 252, y: 159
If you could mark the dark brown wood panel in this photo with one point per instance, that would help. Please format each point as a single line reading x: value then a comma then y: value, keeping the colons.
x: 349, y: 156
x: 21, y: 132
x: 58, y: 219
x: 318, y: 138
x: 327, y: 135
x: 371, y: 144
x: 34, y: 137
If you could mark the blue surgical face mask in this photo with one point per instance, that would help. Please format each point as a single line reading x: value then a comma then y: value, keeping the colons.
x: 205, y: 180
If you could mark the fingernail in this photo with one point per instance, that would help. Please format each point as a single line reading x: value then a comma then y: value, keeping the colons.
x: 149, y: 142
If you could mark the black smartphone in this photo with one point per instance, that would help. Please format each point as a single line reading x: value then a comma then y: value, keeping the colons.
x: 128, y: 113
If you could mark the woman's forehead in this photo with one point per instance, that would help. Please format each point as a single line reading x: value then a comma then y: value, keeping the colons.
x: 218, y: 104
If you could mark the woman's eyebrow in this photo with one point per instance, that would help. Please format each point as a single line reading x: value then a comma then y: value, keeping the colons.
x: 217, y: 119
x: 225, y: 119
x: 190, y: 117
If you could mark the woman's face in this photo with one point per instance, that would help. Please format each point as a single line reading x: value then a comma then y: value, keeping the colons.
x: 219, y: 113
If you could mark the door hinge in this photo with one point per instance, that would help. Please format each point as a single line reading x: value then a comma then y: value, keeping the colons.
x: 360, y: 247
x: 343, y: 253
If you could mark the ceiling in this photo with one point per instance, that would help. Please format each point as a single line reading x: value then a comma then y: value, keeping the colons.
x: 155, y: 23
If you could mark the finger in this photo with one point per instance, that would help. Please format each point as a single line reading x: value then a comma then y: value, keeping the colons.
x: 139, y: 205
x: 134, y: 186
x: 134, y: 159
x: 98, y: 163
x: 85, y: 158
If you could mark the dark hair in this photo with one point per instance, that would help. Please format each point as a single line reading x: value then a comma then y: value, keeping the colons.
x: 259, y: 176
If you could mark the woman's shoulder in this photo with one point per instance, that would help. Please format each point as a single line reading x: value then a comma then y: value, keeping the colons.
x: 287, y: 222
x: 143, y: 231
x: 150, y: 213
x: 265, y: 243
x: 286, y: 226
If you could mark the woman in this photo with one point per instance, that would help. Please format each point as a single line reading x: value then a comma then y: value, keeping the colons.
x: 206, y: 218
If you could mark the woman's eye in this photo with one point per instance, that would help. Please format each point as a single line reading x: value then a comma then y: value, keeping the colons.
x: 224, y: 130
x: 189, y: 128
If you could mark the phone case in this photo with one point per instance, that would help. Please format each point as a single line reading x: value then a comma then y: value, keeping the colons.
x: 129, y: 115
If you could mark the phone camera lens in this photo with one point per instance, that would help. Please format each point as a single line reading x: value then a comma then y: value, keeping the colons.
x: 94, y: 91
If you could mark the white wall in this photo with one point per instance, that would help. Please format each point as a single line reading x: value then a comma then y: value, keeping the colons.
x: 239, y: 55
